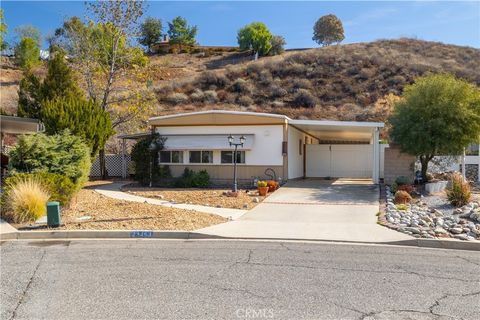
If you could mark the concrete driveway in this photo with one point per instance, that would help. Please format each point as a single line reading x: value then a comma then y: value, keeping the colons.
x: 341, y: 210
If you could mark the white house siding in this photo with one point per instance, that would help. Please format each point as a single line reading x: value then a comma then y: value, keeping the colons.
x: 295, y: 158
x: 265, y: 151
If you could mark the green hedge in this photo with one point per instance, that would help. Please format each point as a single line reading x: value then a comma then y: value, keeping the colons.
x: 60, y: 187
x: 62, y: 153
x: 192, y: 179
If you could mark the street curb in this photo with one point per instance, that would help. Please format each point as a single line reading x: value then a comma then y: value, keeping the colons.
x: 188, y: 235
x: 104, y: 234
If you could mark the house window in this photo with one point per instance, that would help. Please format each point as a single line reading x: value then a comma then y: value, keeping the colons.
x: 201, y: 156
x: 171, y: 156
x: 300, y: 147
x: 227, y: 156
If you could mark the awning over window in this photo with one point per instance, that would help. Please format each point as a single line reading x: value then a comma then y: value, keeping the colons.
x: 205, y: 142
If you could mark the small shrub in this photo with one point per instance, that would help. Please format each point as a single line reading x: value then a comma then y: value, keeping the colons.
x: 254, y: 69
x: 192, y: 179
x: 27, y: 200
x: 209, y: 78
x: 60, y: 187
x: 402, y: 180
x: 265, y: 77
x: 295, y: 69
x: 164, y: 172
x: 245, y: 101
x: 201, y: 179
x: 210, y: 96
x: 197, y: 95
x: 277, y: 91
x: 459, y: 192
x: 303, y: 98
x: 242, y: 86
x: 61, y: 153
x: 402, y: 197
x: 406, y: 187
x: 272, y: 185
x: 177, y: 98
x: 301, y: 84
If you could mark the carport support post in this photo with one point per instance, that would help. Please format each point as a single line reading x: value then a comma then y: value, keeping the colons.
x: 376, y: 156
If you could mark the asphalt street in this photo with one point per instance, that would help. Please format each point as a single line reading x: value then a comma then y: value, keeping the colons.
x: 158, y: 279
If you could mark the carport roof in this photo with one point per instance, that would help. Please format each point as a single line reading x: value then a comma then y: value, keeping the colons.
x: 327, y: 130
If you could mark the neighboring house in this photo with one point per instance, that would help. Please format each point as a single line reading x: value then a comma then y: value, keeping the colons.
x: 472, y: 162
x: 454, y: 163
x: 291, y: 148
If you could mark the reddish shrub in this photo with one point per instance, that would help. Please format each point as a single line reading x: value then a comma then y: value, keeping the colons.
x: 406, y: 187
x: 272, y: 185
x: 402, y: 197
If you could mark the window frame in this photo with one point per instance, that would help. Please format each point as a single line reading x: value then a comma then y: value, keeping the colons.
x: 180, y: 152
x: 201, y: 156
x: 239, y: 154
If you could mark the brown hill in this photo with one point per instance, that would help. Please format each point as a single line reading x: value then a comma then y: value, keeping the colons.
x: 346, y: 82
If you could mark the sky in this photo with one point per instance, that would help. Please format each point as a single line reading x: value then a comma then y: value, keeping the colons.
x: 453, y: 22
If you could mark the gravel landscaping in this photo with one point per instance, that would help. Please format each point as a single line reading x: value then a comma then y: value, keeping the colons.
x: 432, y: 217
x: 207, y: 197
x: 94, y: 211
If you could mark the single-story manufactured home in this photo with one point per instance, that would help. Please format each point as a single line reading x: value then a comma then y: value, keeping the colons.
x: 291, y: 148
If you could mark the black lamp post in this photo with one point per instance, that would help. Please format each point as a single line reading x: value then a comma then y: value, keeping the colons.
x: 231, y: 141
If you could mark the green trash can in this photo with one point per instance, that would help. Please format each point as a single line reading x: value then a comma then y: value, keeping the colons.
x: 53, y: 214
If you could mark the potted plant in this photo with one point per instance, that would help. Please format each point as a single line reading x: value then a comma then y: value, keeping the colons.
x: 262, y: 188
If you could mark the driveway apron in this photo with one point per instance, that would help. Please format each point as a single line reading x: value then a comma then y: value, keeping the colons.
x: 338, y: 210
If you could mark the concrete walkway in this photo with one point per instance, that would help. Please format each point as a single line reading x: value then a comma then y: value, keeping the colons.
x: 113, y: 190
x: 6, y: 228
x: 340, y: 210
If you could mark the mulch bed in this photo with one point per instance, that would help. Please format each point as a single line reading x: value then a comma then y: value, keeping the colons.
x: 112, y: 214
x: 206, y: 197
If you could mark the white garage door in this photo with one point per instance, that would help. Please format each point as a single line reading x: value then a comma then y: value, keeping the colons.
x: 339, y: 160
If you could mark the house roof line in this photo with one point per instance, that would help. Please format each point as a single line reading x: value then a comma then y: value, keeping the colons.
x: 257, y: 114
x: 276, y: 116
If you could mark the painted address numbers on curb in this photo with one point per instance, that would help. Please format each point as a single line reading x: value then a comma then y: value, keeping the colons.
x: 141, y: 234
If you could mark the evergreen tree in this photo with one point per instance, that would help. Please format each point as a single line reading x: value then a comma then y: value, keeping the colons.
x: 27, y: 54
x: 83, y: 118
x: 30, y: 97
x: 181, y: 33
x: 150, y: 32
x: 59, y: 81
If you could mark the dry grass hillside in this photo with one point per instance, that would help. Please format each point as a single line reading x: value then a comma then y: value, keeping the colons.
x: 346, y: 82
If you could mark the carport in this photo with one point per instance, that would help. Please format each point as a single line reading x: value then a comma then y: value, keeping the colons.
x: 341, y: 149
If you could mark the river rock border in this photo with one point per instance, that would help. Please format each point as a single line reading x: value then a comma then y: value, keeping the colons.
x: 420, y: 221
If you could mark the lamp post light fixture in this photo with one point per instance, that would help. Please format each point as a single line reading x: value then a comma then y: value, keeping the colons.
x: 231, y: 141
